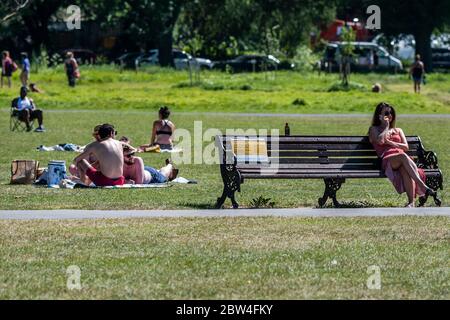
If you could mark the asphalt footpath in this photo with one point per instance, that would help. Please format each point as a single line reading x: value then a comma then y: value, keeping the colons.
x: 297, y: 212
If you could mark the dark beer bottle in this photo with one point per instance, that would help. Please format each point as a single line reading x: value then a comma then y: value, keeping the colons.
x: 287, y: 130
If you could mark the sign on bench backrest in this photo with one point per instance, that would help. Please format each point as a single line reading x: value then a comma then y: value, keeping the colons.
x: 250, y: 149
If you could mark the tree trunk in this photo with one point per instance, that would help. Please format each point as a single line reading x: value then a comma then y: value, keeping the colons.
x: 165, y: 49
x: 166, y: 37
x: 423, y: 47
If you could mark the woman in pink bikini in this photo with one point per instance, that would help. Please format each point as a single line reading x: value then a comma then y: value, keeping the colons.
x: 391, y: 146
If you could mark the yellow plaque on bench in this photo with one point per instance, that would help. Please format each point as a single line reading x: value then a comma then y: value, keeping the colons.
x: 252, y: 150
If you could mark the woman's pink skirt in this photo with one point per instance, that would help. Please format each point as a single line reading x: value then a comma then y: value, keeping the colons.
x: 396, y: 177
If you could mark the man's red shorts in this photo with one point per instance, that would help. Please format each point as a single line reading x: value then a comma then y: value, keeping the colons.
x: 101, y: 181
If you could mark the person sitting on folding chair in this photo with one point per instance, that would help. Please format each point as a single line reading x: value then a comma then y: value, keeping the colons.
x: 26, y: 110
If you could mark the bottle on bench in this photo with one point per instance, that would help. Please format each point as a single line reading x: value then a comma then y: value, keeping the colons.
x: 287, y: 130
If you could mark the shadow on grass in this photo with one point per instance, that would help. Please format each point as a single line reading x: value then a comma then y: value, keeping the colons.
x: 350, y: 204
x: 198, y: 205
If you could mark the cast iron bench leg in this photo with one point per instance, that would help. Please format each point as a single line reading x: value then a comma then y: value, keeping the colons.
x: 231, y: 183
x: 331, y: 187
x: 221, y: 199
x: 434, y: 183
x: 227, y: 193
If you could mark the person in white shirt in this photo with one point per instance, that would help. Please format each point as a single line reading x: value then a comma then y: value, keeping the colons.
x: 26, y: 109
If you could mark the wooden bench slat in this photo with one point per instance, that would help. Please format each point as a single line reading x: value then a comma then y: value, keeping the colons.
x: 312, y: 171
x: 350, y: 175
x: 315, y: 139
x: 318, y: 146
x: 336, y: 153
x: 307, y: 166
x: 324, y: 160
x: 340, y: 153
x: 322, y: 175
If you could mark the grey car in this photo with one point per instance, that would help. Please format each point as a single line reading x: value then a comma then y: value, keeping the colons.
x: 367, y: 56
x: 181, y: 59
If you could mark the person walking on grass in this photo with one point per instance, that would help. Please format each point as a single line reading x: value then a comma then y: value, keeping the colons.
x: 417, y: 72
x: 71, y: 68
x: 26, y: 66
x: 7, y: 68
x: 391, y: 146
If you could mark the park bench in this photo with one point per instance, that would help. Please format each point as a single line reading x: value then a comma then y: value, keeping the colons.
x: 331, y: 158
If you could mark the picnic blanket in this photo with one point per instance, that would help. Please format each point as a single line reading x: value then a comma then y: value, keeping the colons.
x: 158, y: 150
x: 62, y: 147
x: 69, y: 184
x: 171, y: 151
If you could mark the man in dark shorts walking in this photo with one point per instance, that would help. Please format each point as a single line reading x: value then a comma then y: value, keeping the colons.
x: 417, y: 72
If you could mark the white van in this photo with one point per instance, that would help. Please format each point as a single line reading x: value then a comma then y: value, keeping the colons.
x: 367, y: 56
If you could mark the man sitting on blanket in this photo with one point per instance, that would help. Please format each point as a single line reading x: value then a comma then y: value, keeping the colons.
x: 135, y: 171
x: 92, y: 160
x: 109, y: 155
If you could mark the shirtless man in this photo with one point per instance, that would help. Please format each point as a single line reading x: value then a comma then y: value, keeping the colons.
x: 109, y: 155
x: 92, y: 160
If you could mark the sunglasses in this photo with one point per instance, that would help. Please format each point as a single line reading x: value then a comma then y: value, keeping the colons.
x: 388, y: 113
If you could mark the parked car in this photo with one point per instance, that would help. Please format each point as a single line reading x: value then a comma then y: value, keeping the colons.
x: 364, y: 52
x: 83, y: 56
x: 181, y: 59
x: 249, y: 63
x: 128, y: 60
x: 404, y: 47
x: 441, y: 57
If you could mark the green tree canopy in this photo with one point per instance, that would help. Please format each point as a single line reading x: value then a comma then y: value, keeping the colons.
x: 417, y: 17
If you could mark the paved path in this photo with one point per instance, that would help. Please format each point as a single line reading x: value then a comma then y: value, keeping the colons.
x: 247, y: 115
x: 270, y: 115
x: 300, y: 212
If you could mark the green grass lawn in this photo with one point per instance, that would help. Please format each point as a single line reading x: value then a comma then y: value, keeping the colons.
x: 227, y: 258
x: 130, y: 100
x: 76, y: 128
x: 106, y: 88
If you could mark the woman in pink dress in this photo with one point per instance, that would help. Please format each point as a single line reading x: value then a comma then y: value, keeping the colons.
x: 391, y: 146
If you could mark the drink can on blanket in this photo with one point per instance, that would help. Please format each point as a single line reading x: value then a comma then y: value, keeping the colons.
x: 56, y: 172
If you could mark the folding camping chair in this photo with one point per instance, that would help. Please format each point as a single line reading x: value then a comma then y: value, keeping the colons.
x: 16, y: 124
